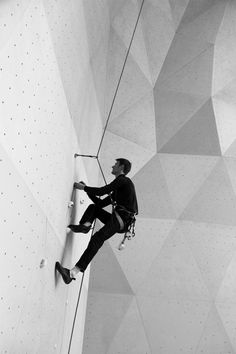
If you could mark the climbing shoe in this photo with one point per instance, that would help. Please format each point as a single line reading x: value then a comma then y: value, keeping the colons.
x: 65, y: 273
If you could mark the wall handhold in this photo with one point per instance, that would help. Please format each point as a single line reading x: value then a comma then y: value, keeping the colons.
x: 43, y: 263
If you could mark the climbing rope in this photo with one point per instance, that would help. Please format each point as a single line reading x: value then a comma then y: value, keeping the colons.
x: 121, y: 74
x: 121, y: 246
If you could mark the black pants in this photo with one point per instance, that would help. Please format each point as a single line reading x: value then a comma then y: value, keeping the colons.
x: 111, y: 227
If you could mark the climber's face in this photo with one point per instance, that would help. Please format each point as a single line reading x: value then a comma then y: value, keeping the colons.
x: 117, y: 169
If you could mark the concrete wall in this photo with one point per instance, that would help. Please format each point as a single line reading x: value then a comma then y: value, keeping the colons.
x: 172, y: 290
x: 48, y: 105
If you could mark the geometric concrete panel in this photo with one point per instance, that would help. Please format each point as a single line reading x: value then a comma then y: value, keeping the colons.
x: 173, y: 326
x: 224, y: 70
x: 114, y: 7
x: 153, y: 194
x: 101, y: 327
x: 173, y: 109
x: 131, y: 337
x: 115, y: 61
x: 106, y: 275
x: 69, y: 35
x: 182, y: 51
x: 205, y: 25
x: 194, y: 78
x: 133, y: 86
x: 124, y: 24
x: 198, y: 136
x: 213, y: 247
x: 174, y: 274
x: 227, y: 291
x: 231, y: 152
x: 137, y: 123
x: 225, y: 112
x: 96, y: 23
x: 214, y: 338
x: 184, y: 175
x: 99, y: 68
x: 192, y: 39
x: 230, y: 165
x: 156, y: 16
x: 197, y: 8
x: 227, y: 313
x: 177, y: 10
x: 215, y: 201
x: 149, y: 239
x: 97, y: 36
x: 115, y: 146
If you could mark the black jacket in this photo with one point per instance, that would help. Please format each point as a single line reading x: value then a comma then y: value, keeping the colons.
x: 121, y: 190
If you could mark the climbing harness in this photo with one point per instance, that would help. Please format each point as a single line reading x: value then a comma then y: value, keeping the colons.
x: 129, y: 226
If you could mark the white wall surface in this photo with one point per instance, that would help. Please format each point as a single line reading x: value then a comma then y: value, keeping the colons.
x: 48, y: 105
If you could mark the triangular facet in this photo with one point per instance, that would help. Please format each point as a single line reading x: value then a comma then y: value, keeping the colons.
x: 105, y: 313
x: 133, y: 85
x: 213, y: 247
x: 194, y: 78
x: 157, y: 41
x: 106, y: 275
x: 131, y: 336
x: 137, y: 123
x: 191, y: 40
x: 214, y: 338
x: 224, y: 103
x: 206, y: 24
x: 198, y: 136
x: 173, y: 326
x: 178, y: 10
x: 224, y: 69
x: 215, y: 201
x: 153, y: 194
x: 115, y: 146
x: 174, y: 273
x: 227, y: 292
x: 184, y: 175
x: 227, y: 313
x: 173, y: 109
x: 150, y: 235
x: 196, y: 9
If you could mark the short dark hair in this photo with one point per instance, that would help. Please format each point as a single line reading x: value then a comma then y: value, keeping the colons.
x: 126, y: 163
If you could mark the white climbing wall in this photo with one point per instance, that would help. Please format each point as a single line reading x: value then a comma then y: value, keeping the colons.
x: 173, y: 288
x: 47, y: 107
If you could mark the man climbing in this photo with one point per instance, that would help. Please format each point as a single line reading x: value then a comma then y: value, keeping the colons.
x: 122, y: 196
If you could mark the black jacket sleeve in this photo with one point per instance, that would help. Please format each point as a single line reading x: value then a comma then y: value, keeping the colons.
x: 93, y: 191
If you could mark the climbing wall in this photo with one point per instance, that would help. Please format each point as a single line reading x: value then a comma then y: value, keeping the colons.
x: 47, y: 104
x: 173, y: 289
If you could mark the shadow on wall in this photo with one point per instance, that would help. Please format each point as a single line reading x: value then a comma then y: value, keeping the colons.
x: 68, y: 246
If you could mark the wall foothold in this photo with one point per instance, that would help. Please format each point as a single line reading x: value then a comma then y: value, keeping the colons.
x: 43, y: 263
x: 70, y: 204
